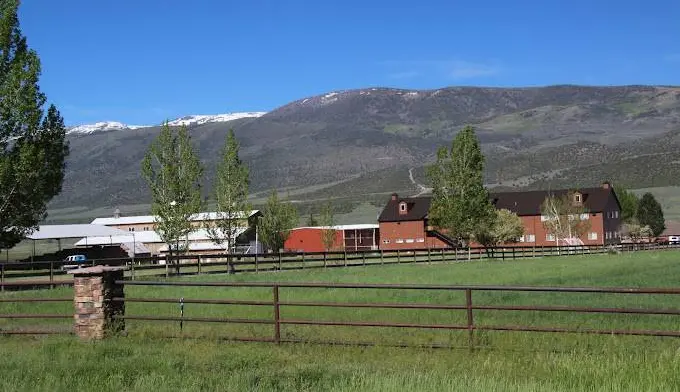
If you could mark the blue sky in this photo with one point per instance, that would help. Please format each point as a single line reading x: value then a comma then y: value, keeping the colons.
x: 142, y: 61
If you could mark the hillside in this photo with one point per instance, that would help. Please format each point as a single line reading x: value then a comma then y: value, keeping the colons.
x: 365, y: 141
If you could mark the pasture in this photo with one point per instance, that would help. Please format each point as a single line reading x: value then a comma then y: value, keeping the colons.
x: 161, y: 356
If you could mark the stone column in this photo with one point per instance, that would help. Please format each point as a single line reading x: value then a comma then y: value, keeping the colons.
x: 94, y: 288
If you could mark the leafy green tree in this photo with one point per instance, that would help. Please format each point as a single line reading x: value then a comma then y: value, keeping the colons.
x: 33, y: 147
x: 278, y: 219
x: 507, y: 227
x: 174, y: 173
x: 231, y: 196
x: 650, y: 213
x: 328, y: 222
x: 629, y: 204
x: 564, y: 218
x: 460, y: 203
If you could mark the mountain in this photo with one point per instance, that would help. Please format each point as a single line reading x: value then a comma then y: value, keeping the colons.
x: 362, y: 143
x: 195, y: 119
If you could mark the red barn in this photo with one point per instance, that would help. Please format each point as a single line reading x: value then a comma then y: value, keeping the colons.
x: 347, y: 237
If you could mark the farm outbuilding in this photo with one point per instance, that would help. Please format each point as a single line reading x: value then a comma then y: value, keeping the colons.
x: 347, y: 237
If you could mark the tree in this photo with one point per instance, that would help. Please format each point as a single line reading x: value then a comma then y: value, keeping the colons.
x: 650, y: 213
x: 278, y: 218
x: 311, y: 221
x: 328, y: 222
x: 231, y: 196
x: 629, y: 204
x: 564, y: 217
x: 33, y: 147
x: 460, y: 203
x: 507, y: 227
x: 173, y: 171
x: 637, y: 232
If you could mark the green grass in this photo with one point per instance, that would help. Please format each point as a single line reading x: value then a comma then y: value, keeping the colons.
x: 504, y: 360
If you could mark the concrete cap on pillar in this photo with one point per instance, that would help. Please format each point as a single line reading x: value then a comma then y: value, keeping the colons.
x: 96, y: 270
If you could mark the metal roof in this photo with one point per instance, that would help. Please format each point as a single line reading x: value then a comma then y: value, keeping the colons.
x: 360, y: 226
x: 150, y: 219
x: 53, y: 232
x: 146, y: 237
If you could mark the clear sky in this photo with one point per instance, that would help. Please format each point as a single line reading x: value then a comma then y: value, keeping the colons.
x: 142, y: 61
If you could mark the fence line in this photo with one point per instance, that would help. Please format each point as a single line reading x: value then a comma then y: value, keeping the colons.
x: 470, y: 308
x: 265, y: 262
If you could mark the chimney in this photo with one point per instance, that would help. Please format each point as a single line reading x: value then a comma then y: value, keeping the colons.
x: 395, y: 196
x: 116, y: 213
x: 606, y: 185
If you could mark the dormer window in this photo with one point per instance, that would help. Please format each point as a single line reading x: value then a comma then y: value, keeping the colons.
x: 578, y: 198
x: 402, y: 207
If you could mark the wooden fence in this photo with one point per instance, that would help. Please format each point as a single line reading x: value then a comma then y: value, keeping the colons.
x: 54, y: 271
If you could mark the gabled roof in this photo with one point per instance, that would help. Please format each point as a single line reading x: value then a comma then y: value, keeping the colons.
x: 526, y: 203
x: 529, y: 202
x: 417, y: 209
x: 45, y: 232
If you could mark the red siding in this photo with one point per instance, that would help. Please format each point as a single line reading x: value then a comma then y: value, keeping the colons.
x: 411, y: 233
x: 309, y: 240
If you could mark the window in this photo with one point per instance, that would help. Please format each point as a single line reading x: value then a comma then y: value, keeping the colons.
x: 585, y: 216
x: 550, y: 237
x: 399, y: 241
x: 409, y: 240
x: 577, y: 197
x: 386, y: 241
x: 402, y: 207
x: 544, y: 218
x: 592, y: 236
x: 608, y: 235
x: 616, y: 214
x: 531, y: 238
x: 420, y: 240
x: 520, y: 239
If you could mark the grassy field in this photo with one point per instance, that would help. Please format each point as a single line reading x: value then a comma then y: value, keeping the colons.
x: 503, y: 361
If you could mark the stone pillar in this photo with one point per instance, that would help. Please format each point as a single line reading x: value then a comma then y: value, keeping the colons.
x: 94, y: 288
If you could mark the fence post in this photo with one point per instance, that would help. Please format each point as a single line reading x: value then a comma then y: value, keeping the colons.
x: 382, y: 261
x: 443, y: 258
x: 52, y: 273
x: 429, y: 257
x: 2, y: 277
x: 363, y: 258
x: 324, y: 258
x: 277, y: 315
x: 345, y: 256
x: 132, y: 270
x: 470, y: 320
x: 415, y: 260
x: 167, y: 273
x: 513, y: 253
x: 303, y: 260
x: 398, y: 257
x: 469, y: 253
x: 257, y: 268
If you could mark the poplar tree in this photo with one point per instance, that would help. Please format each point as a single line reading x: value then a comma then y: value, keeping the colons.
x: 33, y: 147
x: 328, y: 222
x: 231, y: 196
x: 278, y: 219
x: 460, y: 203
x: 173, y: 171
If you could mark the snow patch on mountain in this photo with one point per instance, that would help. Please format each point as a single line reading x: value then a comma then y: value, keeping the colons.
x: 103, y: 126
x: 198, y: 119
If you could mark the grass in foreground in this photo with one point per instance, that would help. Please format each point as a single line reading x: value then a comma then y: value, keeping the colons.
x: 507, y: 361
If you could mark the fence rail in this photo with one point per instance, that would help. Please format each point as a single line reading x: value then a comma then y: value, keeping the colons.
x: 30, y: 329
x: 469, y: 307
x: 267, y: 262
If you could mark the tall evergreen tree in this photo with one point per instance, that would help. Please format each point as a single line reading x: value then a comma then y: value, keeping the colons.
x: 650, y: 213
x: 278, y: 219
x: 33, y: 149
x: 174, y: 173
x: 231, y: 195
x: 460, y: 203
x: 629, y: 204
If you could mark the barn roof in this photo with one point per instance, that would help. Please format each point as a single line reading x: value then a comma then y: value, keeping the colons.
x: 150, y: 219
x: 48, y: 232
x: 524, y: 203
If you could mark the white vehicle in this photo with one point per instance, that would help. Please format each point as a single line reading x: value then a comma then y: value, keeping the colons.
x: 674, y: 240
